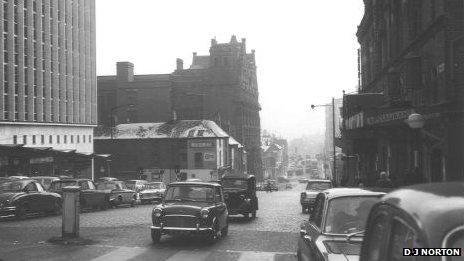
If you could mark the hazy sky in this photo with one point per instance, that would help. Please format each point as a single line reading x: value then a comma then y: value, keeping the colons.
x: 306, y: 50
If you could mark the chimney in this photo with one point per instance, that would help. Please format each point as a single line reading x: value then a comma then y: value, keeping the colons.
x: 124, y: 71
x: 180, y: 64
x: 194, y: 54
x: 244, y: 44
x: 213, y: 41
x: 233, y: 39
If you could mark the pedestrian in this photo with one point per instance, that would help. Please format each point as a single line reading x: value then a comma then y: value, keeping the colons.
x: 384, y: 181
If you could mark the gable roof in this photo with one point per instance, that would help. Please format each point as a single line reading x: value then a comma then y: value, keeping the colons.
x: 173, y: 129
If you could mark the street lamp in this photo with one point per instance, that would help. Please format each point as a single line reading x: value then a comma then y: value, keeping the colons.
x: 113, y: 122
x: 334, y: 172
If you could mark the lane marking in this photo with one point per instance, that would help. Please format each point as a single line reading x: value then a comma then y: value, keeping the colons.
x: 189, y: 255
x: 121, y: 254
x: 256, y: 256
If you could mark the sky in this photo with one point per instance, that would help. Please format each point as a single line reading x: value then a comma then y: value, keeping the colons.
x: 306, y: 50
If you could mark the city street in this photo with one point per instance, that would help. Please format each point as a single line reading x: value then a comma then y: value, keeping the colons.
x: 123, y: 234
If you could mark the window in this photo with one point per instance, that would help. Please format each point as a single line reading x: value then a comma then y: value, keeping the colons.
x: 15, y: 139
x: 191, y: 133
x: 318, y: 211
x: 402, y: 237
x: 65, y: 139
x: 42, y: 139
x: 34, y: 139
x: 78, y: 138
x: 200, y: 133
x: 83, y: 138
x: 31, y: 187
x: 198, y: 160
x: 24, y: 139
x: 58, y: 139
x: 375, y: 242
x: 90, y: 138
x: 72, y: 138
x: 50, y: 139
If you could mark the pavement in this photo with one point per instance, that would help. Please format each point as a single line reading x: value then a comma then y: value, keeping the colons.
x: 123, y: 234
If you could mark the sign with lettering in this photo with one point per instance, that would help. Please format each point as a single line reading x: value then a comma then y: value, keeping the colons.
x: 41, y: 160
x: 209, y: 157
x: 203, y: 144
x: 387, y: 117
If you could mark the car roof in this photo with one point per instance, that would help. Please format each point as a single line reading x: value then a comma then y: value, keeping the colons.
x: 196, y: 183
x: 436, y: 207
x: 136, y: 180
x: 344, y: 192
x: 238, y: 177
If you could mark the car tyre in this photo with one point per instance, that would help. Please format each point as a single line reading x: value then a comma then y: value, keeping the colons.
x: 155, y: 236
x: 225, y: 230
x: 247, y: 215
x: 215, y: 234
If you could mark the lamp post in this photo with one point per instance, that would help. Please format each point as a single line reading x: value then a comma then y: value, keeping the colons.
x: 334, y: 172
x: 113, y: 122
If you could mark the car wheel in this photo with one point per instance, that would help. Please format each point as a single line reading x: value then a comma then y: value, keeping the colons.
x: 247, y: 215
x: 155, y: 236
x: 215, y: 234
x: 225, y: 230
x: 20, y: 213
x: 253, y: 214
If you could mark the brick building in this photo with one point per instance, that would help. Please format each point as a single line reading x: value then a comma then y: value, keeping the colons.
x: 48, y: 93
x: 411, y: 60
x: 221, y: 87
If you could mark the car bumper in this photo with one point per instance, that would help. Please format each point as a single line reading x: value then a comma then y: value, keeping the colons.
x: 174, y: 230
x: 7, y: 211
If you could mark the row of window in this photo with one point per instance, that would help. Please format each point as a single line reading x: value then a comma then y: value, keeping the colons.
x: 58, y: 139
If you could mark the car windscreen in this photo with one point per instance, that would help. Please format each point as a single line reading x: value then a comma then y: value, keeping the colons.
x: 347, y: 215
x: 190, y: 193
x: 319, y: 186
x: 234, y: 183
x: 59, y: 185
x: 11, y: 186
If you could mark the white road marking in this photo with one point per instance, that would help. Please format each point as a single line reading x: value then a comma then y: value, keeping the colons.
x: 121, y: 254
x: 189, y: 255
x: 256, y: 256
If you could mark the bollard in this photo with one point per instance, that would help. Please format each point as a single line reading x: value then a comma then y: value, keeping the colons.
x: 70, y: 223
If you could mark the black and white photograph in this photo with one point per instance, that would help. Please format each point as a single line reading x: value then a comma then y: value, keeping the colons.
x: 244, y: 130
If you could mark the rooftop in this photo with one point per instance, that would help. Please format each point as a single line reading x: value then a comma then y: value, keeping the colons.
x: 160, y: 130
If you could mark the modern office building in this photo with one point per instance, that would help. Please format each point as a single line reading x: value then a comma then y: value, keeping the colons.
x: 48, y: 87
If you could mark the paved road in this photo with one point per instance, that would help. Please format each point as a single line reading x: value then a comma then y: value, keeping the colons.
x: 123, y: 234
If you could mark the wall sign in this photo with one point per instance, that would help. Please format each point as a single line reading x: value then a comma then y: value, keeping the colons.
x: 204, y: 144
x: 390, y: 116
x: 209, y: 157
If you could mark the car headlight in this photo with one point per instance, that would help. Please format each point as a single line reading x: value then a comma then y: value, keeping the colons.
x: 157, y: 212
x: 204, y: 213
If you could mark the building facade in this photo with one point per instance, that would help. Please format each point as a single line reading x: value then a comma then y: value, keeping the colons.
x: 179, y: 150
x: 411, y: 61
x: 223, y: 87
x: 48, y: 87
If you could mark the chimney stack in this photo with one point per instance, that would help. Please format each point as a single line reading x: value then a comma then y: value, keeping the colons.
x: 124, y: 71
x: 180, y: 64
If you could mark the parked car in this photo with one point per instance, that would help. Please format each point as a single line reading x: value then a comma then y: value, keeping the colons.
x: 89, y: 197
x: 119, y: 194
x: 103, y: 179
x: 191, y: 207
x: 22, y: 197
x: 45, y: 181
x: 420, y: 216
x: 152, y: 191
x: 313, y: 187
x: 135, y: 184
x: 335, y: 226
x: 240, y: 195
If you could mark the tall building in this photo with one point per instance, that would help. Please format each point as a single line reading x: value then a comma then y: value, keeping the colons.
x: 223, y: 87
x: 48, y: 87
x: 411, y: 64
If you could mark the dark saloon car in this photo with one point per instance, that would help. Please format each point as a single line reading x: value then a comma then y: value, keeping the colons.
x: 420, y: 216
x: 89, y: 197
x: 191, y: 208
x: 20, y: 198
x: 313, y: 187
x: 119, y: 194
x: 240, y: 195
x: 152, y: 191
x: 336, y: 224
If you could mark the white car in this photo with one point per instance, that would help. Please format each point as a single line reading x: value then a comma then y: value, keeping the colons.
x: 152, y: 191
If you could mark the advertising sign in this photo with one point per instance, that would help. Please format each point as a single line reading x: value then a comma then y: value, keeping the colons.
x: 41, y: 160
x: 209, y: 157
x: 387, y: 117
x: 202, y: 144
